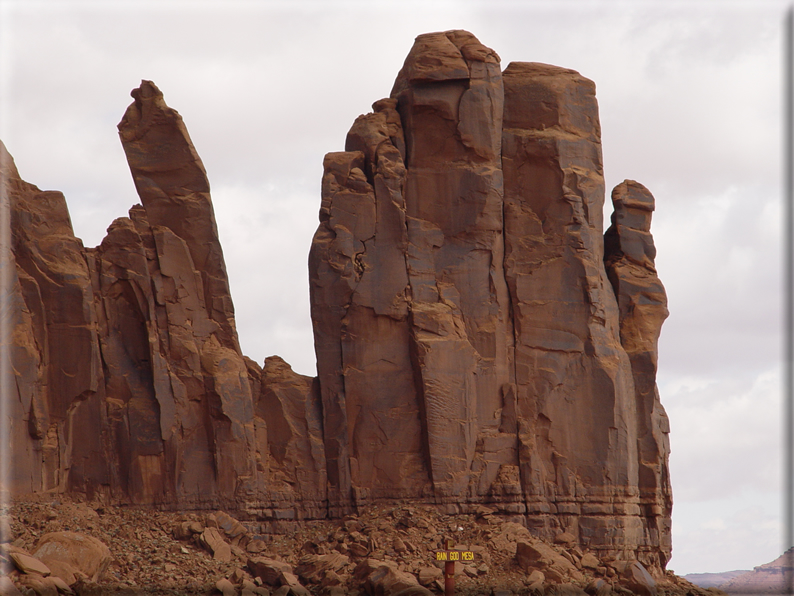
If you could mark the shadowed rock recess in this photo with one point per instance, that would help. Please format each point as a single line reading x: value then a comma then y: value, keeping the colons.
x: 478, y: 340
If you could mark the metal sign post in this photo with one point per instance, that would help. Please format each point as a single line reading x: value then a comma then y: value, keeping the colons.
x: 449, y: 555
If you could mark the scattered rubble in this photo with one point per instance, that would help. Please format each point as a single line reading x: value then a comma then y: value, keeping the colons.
x: 70, y: 547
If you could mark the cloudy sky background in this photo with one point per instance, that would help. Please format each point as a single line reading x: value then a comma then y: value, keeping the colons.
x: 691, y: 106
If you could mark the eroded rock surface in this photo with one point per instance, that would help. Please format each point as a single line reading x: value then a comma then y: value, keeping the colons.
x: 50, y: 344
x: 128, y: 379
x: 459, y: 287
x: 479, y: 342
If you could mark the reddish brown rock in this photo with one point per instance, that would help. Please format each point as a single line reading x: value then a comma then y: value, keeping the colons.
x: 154, y: 383
x: 386, y: 580
x: 478, y: 340
x: 575, y: 394
x: 182, y: 313
x: 80, y: 554
x: 629, y: 258
x: 313, y: 568
x: 638, y: 580
x: 40, y: 586
x: 289, y: 406
x: 7, y: 587
x: 225, y: 587
x: 461, y: 338
x: 213, y: 541
x: 51, y: 342
x: 27, y: 563
x: 410, y: 318
x: 531, y: 555
x: 458, y: 285
x: 268, y: 570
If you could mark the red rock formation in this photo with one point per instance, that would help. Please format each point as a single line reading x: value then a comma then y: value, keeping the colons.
x: 411, y: 319
x: 629, y: 259
x: 129, y: 380
x: 470, y: 345
x: 575, y: 394
x: 49, y: 339
x: 288, y: 404
x: 176, y: 394
x: 477, y: 339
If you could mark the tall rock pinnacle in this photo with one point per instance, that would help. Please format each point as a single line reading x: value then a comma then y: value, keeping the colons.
x: 470, y: 345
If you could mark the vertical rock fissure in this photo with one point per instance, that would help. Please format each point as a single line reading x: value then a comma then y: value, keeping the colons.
x: 512, y: 301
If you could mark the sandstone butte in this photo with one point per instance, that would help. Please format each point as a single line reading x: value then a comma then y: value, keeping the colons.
x: 479, y: 340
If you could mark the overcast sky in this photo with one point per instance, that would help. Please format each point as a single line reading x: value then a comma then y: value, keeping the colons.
x: 691, y: 106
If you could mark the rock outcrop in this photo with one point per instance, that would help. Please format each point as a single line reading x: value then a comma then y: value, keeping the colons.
x: 479, y: 341
x: 52, y: 366
x: 128, y: 379
x: 775, y: 577
x: 475, y: 341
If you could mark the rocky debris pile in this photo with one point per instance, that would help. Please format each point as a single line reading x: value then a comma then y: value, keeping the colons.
x: 66, y: 547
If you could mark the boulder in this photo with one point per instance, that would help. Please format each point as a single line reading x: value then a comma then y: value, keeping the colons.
x: 7, y: 587
x: 212, y: 540
x: 590, y: 561
x: 427, y: 575
x: 638, y: 580
x: 225, y: 587
x: 538, y: 555
x: 41, y: 586
x: 27, y: 563
x: 74, y: 552
x: 313, y: 568
x: 255, y: 546
x: 388, y: 581
x: 367, y: 566
x: 268, y: 570
x: 234, y: 530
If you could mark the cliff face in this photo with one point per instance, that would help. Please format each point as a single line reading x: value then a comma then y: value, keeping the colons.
x: 472, y: 345
x: 478, y: 340
x: 129, y: 381
x: 51, y: 360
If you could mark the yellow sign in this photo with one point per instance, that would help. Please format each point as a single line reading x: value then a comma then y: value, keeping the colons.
x: 454, y: 555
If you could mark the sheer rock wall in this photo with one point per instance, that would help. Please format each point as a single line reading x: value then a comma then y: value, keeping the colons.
x: 472, y: 345
x: 126, y: 379
x: 478, y: 341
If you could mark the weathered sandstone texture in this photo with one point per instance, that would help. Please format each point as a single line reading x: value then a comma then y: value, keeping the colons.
x: 478, y: 340
x: 128, y: 379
